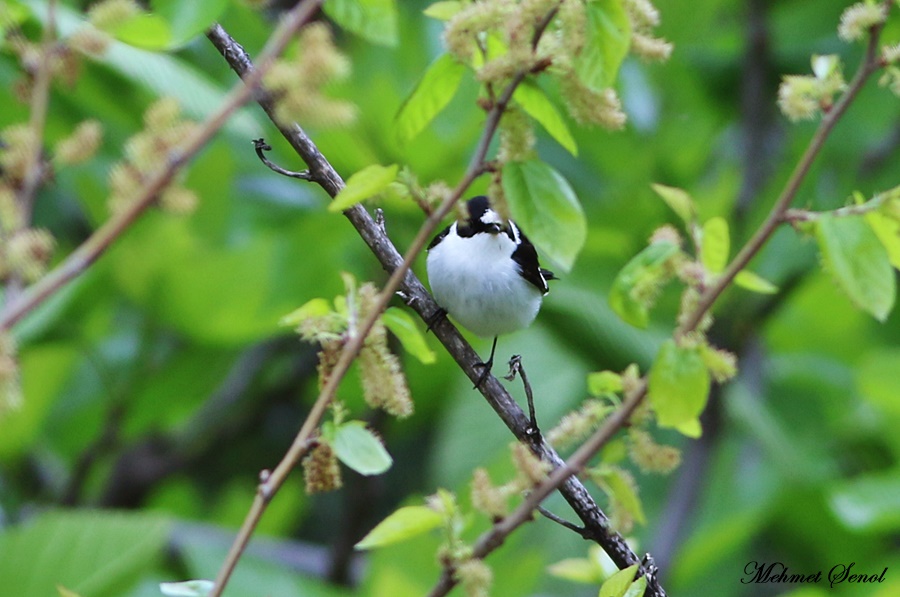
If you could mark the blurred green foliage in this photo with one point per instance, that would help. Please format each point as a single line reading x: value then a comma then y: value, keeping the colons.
x: 159, y: 384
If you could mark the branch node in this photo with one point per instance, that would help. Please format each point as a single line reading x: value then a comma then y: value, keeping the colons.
x: 515, y: 367
x: 261, y: 146
x: 379, y: 220
x: 581, y: 531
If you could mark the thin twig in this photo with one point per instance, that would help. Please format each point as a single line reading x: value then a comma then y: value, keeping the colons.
x: 794, y: 216
x: 40, y: 102
x: 563, y: 522
x: 321, y: 171
x: 516, y: 368
x: 102, y: 238
x: 35, y: 165
x: 870, y: 63
x: 497, y: 534
x: 261, y: 147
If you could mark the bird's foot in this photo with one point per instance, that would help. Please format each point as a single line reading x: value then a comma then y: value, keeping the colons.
x: 486, y: 370
x: 435, y: 318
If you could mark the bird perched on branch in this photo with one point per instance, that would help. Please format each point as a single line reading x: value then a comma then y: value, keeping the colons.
x: 485, y: 273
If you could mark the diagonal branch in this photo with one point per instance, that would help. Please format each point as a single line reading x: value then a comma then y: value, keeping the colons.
x: 870, y: 63
x: 596, y: 523
x: 89, y: 251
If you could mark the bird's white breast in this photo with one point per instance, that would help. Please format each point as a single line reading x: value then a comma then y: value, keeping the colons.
x: 478, y: 283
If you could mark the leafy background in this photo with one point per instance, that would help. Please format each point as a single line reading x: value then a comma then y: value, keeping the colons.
x: 159, y: 384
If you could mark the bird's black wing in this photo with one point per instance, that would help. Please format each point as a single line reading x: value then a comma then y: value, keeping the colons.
x: 439, y: 237
x: 526, y: 257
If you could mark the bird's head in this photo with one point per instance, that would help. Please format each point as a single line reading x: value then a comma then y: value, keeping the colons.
x: 482, y: 218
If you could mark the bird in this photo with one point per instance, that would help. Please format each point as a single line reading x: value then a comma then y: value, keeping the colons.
x: 485, y: 273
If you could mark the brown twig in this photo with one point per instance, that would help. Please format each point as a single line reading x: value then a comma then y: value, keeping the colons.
x: 595, y: 521
x: 870, y: 63
x: 35, y: 165
x: 497, y: 534
x: 102, y: 238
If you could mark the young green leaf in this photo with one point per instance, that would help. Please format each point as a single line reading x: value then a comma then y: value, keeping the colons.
x: 314, y: 308
x: 876, y: 378
x: 678, y: 386
x: 366, y: 183
x: 607, y: 39
x: 188, y: 19
x: 617, y: 584
x: 858, y: 262
x: 580, y: 570
x: 678, y: 200
x: 360, y: 449
x: 716, y: 245
x: 623, y: 492
x: 604, y: 382
x: 888, y: 232
x: 637, y: 588
x: 545, y: 206
x: 147, y: 31
x: 373, y: 20
x: 402, y: 325
x: 432, y: 94
x: 634, y: 289
x: 443, y: 11
x: 537, y: 105
x: 754, y: 282
x: 64, y: 592
x: 188, y: 588
x: 405, y: 523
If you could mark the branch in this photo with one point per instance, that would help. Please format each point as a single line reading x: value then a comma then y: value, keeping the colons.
x: 102, y: 238
x: 496, y: 535
x: 869, y: 64
x: 320, y: 170
x: 35, y: 164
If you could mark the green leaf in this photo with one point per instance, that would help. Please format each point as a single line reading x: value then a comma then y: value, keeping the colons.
x: 876, y: 377
x: 607, y: 39
x: 858, y: 262
x: 537, y: 105
x: 187, y: 20
x: 580, y: 570
x: 366, y: 183
x: 373, y: 20
x: 888, y: 232
x: 46, y: 371
x: 404, y: 327
x: 678, y: 386
x: 622, y: 491
x: 431, y: 95
x: 188, y: 588
x: 147, y: 31
x: 754, y: 282
x: 617, y: 584
x: 678, y: 200
x: 360, y: 449
x: 64, y: 592
x: 545, y: 206
x: 93, y: 553
x: 646, y: 269
x: 716, y: 245
x: 637, y: 588
x: 314, y: 308
x: 869, y: 503
x: 443, y: 11
x: 405, y: 523
x: 601, y: 383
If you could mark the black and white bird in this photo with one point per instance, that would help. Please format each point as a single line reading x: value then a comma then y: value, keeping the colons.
x: 485, y: 273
